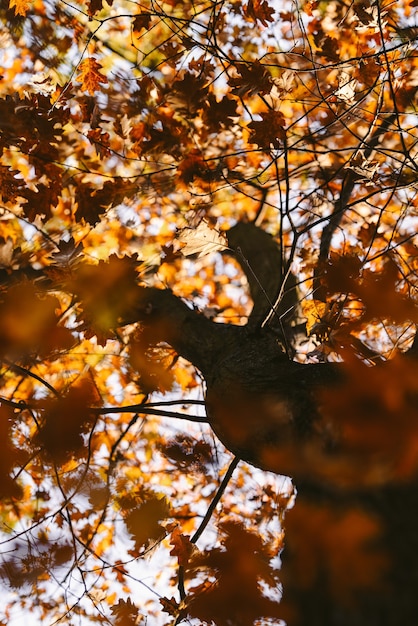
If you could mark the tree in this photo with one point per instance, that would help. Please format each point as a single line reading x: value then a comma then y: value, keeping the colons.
x: 208, y: 282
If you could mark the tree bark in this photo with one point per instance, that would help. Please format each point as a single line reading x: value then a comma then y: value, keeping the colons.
x: 351, y: 546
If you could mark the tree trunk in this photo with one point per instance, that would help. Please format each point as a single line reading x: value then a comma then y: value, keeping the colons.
x: 351, y: 545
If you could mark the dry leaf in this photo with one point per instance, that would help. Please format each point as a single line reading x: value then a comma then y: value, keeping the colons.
x: 201, y: 240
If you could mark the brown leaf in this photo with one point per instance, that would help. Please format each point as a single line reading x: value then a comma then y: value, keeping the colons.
x: 125, y: 612
x: 10, y: 184
x: 259, y: 10
x: 188, y: 94
x: 29, y: 322
x: 141, y: 21
x: 253, y: 78
x: 144, y: 521
x: 182, y: 548
x: 95, y: 6
x: 219, y: 114
x: 170, y: 606
x: 107, y: 291
x: 243, y: 558
x: 65, y: 420
x: 270, y: 132
x: 41, y: 201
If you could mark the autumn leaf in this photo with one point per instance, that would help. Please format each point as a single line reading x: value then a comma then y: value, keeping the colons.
x: 21, y: 7
x: 29, y: 322
x: 225, y: 601
x: 193, y: 167
x: 90, y: 76
x: 201, y: 240
x: 41, y: 201
x: 253, y: 78
x: 259, y: 10
x: 141, y: 21
x: 144, y: 521
x: 100, y: 140
x: 188, y: 94
x: 218, y: 114
x: 65, y: 420
x: 270, y: 132
x: 10, y: 184
x: 170, y: 606
x: 125, y: 612
x: 94, y: 6
x: 108, y: 291
x: 182, y: 547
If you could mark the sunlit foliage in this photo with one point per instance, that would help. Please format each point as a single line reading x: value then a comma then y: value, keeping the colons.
x: 133, y: 135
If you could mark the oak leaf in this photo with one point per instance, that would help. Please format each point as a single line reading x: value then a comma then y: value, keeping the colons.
x: 21, y: 7
x: 259, y: 10
x: 65, y: 420
x: 244, y: 558
x: 270, y: 132
x: 170, y: 606
x: 94, y: 6
x: 125, y: 612
x: 90, y: 76
x: 141, y: 21
x: 253, y: 78
x: 218, y: 114
x: 182, y: 547
x: 201, y: 240
x: 11, y: 184
x: 188, y: 94
x: 144, y: 521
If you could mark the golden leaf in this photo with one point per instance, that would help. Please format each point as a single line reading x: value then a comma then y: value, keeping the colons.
x: 90, y: 76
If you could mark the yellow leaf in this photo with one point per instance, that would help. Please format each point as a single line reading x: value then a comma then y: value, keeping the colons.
x: 313, y: 310
x: 90, y: 76
x: 21, y: 7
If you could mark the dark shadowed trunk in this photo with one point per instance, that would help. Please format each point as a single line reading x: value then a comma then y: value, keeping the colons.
x: 351, y: 548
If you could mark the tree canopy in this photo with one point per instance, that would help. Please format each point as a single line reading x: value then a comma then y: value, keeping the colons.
x: 208, y: 275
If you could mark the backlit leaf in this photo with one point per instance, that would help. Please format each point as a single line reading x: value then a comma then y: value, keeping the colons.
x: 90, y: 75
x: 201, y: 240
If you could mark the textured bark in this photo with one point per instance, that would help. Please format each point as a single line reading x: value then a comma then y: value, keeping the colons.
x: 265, y: 269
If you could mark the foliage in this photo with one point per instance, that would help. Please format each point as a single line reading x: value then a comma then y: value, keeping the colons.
x: 133, y: 135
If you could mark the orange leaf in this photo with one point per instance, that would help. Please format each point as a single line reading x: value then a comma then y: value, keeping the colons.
x: 90, y: 76
x: 21, y: 7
